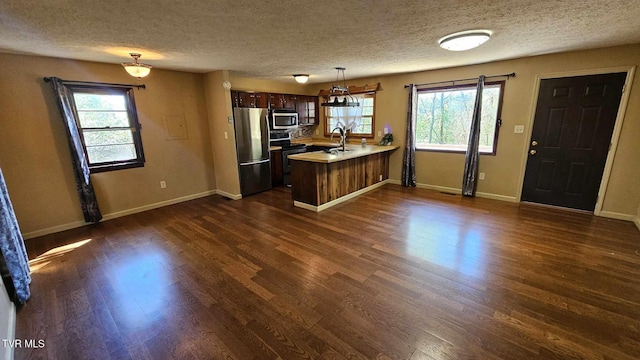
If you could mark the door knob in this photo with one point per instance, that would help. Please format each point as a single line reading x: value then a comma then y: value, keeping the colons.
x: 534, y: 143
x: 532, y: 152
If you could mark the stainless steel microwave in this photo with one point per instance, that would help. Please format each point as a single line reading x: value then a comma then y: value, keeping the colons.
x: 282, y: 119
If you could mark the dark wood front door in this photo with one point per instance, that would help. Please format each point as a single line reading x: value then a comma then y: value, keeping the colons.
x: 570, y: 140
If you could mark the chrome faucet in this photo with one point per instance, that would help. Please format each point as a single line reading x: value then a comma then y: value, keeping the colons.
x: 343, y: 136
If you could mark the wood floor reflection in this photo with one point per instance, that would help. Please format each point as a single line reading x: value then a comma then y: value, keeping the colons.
x: 396, y: 273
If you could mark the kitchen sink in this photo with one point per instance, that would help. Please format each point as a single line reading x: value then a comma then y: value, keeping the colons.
x: 330, y: 151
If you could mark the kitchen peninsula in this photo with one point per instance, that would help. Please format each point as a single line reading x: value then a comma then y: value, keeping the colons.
x: 321, y: 180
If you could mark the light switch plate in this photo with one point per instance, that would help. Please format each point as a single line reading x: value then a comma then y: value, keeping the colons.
x: 379, y: 133
x: 226, y: 136
x: 518, y: 129
x: 230, y: 119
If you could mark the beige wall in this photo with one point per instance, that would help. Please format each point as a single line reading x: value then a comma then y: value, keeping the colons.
x: 503, y: 171
x: 224, y: 149
x: 258, y: 85
x: 35, y: 159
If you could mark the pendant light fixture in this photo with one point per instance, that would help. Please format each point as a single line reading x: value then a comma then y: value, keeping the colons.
x: 464, y: 40
x: 340, y: 91
x: 135, y: 68
x: 301, y: 78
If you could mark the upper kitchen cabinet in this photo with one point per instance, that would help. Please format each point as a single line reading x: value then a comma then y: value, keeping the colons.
x: 307, y: 109
x: 283, y: 101
x: 305, y: 106
x: 249, y: 99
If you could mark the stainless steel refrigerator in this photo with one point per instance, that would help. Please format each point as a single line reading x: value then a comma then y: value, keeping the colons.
x: 252, y: 144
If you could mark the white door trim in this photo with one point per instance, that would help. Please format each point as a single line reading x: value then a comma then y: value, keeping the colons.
x: 630, y: 70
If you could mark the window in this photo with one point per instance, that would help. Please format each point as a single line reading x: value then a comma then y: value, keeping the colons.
x: 336, y: 115
x: 444, y: 117
x: 108, y: 124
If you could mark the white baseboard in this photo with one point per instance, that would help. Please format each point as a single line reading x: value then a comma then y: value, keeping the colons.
x: 606, y: 214
x: 229, y: 195
x: 117, y: 214
x: 340, y: 199
x: 440, y: 188
x: 459, y: 191
x: 122, y: 213
x: 54, y: 229
x: 615, y: 215
x: 506, y: 198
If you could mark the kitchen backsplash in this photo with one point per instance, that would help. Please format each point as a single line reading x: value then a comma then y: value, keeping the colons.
x: 302, y: 132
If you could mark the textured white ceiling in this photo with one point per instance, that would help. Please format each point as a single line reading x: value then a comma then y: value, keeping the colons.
x: 274, y: 39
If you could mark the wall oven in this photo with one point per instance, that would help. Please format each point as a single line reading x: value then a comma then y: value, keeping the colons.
x: 283, y: 119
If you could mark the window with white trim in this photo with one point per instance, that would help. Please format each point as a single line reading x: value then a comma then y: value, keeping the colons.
x: 108, y: 124
x: 444, y: 117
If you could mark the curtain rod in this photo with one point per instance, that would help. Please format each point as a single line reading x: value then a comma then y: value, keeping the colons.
x: 72, y: 82
x: 454, y: 81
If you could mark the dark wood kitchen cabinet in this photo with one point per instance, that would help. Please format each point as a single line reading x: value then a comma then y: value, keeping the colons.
x: 307, y: 108
x: 249, y: 99
x: 282, y: 101
x: 290, y: 101
x: 234, y: 98
x: 275, y: 101
x: 276, y: 167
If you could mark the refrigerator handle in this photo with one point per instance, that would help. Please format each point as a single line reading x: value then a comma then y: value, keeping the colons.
x: 255, y: 162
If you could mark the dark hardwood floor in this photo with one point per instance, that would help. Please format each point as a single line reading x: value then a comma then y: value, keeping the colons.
x: 396, y: 273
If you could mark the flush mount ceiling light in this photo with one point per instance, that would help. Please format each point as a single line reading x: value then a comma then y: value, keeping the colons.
x: 301, y: 78
x: 340, y: 91
x: 135, y: 68
x: 464, y: 40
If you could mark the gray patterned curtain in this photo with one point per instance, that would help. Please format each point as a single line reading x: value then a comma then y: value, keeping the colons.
x: 88, y: 201
x: 15, y: 262
x: 471, y: 164
x: 409, y: 158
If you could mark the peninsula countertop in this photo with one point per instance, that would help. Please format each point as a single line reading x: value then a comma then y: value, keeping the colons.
x: 353, y: 151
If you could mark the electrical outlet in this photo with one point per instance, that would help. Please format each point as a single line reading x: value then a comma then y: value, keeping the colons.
x: 481, y: 177
x: 518, y: 129
x: 163, y: 184
x: 379, y: 133
x: 380, y: 177
x: 226, y: 136
x: 230, y: 119
x: 317, y: 132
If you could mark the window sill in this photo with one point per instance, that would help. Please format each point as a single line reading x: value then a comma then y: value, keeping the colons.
x: 452, y: 151
x: 112, y: 167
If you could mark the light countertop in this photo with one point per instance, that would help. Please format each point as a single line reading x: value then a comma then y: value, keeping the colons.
x: 354, y: 151
x: 275, y: 148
